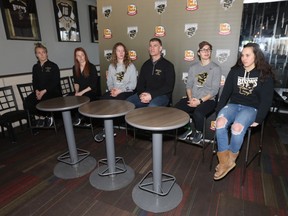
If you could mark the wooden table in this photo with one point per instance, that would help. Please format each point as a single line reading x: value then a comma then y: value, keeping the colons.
x: 75, y: 162
x: 112, y: 173
x: 157, y: 191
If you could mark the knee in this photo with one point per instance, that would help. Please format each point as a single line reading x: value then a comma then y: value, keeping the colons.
x: 221, y: 122
x: 237, y: 128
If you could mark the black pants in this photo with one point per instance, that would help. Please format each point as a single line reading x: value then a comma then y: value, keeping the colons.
x: 197, y: 113
x: 31, y: 102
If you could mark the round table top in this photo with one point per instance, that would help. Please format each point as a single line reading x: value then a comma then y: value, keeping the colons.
x: 106, y: 108
x: 157, y: 118
x: 62, y: 103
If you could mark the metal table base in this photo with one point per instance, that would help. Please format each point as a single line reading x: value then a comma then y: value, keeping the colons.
x: 155, y: 203
x: 67, y: 171
x: 111, y: 182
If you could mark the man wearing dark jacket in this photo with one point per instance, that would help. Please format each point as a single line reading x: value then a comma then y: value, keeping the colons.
x: 156, y: 80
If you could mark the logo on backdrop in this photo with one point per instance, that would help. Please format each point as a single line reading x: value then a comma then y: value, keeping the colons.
x: 191, y: 5
x: 108, y: 55
x: 189, y: 55
x: 107, y: 10
x: 224, y: 29
x: 133, y: 55
x: 190, y: 29
x: 159, y: 31
x: 222, y: 55
x: 107, y: 34
x: 132, y: 31
x: 226, y: 4
x: 160, y: 6
x: 132, y: 10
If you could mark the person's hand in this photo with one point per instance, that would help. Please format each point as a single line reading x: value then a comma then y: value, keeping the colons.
x: 114, y: 92
x: 39, y: 94
x: 254, y: 124
x: 194, y: 102
x: 78, y: 94
x: 145, y: 97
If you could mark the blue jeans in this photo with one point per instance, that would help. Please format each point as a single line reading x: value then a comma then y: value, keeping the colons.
x: 234, y: 113
x: 162, y: 100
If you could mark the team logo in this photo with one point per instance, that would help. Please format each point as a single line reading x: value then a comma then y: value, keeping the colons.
x: 108, y: 55
x: 226, y: 4
x: 107, y: 11
x: 160, y: 6
x: 246, y: 85
x: 159, y: 31
x: 107, y: 34
x: 131, y: 10
x: 189, y: 55
x: 222, y: 55
x: 132, y: 31
x: 192, y: 5
x: 190, y: 29
x: 185, y: 77
x: 224, y: 29
x: 120, y: 76
x: 132, y: 55
x: 201, y: 78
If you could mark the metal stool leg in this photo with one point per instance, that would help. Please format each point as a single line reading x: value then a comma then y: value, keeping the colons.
x: 258, y: 153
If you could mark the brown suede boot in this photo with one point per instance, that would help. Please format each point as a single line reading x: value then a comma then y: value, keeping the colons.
x: 232, y: 158
x: 224, y: 166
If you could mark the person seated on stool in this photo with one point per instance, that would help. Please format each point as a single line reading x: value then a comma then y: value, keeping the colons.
x: 121, y: 74
x: 202, y: 86
x: 85, y: 80
x: 121, y: 78
x: 249, y: 88
x: 46, y: 85
x: 156, y: 79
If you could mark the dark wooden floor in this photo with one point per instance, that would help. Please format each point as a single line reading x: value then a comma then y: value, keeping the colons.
x: 28, y: 186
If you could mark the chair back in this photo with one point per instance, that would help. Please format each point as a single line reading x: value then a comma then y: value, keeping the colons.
x: 7, y: 100
x: 65, y: 85
x: 24, y: 90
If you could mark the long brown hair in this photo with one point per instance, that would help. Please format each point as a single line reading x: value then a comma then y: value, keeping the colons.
x: 260, y: 63
x: 126, y: 60
x: 86, y: 71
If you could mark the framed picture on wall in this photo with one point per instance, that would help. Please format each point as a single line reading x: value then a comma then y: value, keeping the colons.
x: 93, y: 23
x: 20, y: 20
x: 67, y: 21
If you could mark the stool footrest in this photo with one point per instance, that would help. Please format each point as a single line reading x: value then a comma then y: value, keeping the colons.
x: 167, y: 183
x: 65, y: 157
x: 120, y: 166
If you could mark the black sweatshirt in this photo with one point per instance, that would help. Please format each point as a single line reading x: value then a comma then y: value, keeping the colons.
x: 247, y: 89
x: 156, y: 78
x: 47, y: 77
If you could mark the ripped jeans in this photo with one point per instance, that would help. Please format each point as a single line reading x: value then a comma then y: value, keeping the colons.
x: 234, y: 113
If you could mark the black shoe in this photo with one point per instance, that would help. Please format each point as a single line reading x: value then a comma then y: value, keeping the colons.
x: 185, y: 135
x: 77, y: 121
x: 197, y: 137
x: 49, y: 121
x: 99, y: 137
x: 40, y: 123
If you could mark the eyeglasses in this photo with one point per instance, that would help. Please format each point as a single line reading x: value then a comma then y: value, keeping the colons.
x: 205, y: 50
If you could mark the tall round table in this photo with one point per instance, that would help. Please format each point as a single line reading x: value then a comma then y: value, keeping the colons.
x: 75, y: 162
x: 112, y: 173
x: 157, y: 191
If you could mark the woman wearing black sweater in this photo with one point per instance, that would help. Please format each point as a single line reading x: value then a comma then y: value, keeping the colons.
x: 249, y: 90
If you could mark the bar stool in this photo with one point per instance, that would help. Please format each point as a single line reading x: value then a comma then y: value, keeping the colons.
x: 248, y: 160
